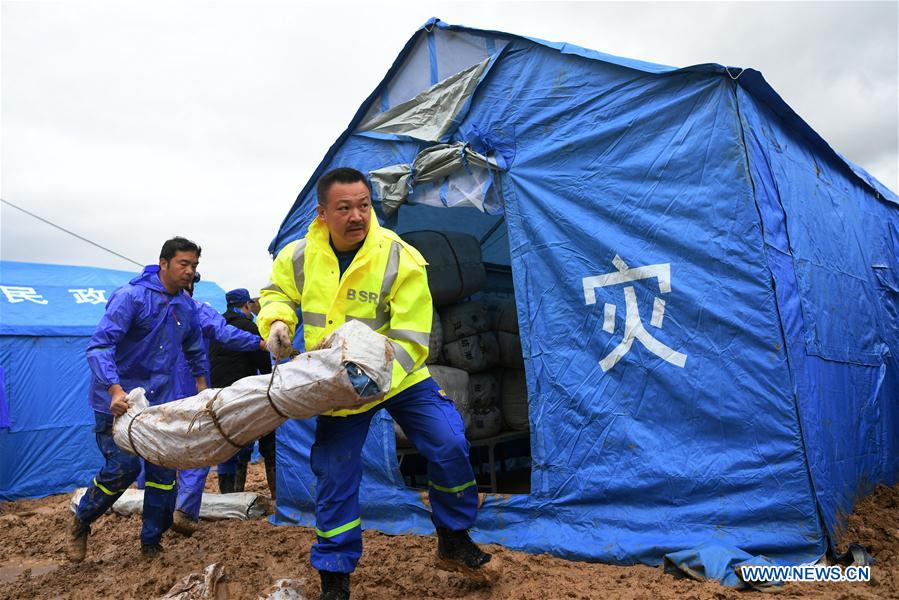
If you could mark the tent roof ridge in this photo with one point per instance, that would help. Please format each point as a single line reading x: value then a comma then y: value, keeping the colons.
x: 749, y: 79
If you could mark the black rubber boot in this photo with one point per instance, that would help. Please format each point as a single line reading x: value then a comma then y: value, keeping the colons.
x: 270, y: 476
x: 456, y: 552
x: 335, y: 586
x: 226, y: 484
x: 240, y: 478
x: 151, y: 550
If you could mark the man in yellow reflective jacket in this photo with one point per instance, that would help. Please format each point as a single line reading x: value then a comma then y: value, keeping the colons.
x: 348, y: 267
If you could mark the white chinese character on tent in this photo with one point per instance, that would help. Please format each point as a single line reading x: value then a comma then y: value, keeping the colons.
x: 89, y: 295
x: 634, y: 328
x: 19, y: 293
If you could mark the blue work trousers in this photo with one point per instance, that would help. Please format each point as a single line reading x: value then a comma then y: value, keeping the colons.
x: 434, y: 426
x: 119, y: 472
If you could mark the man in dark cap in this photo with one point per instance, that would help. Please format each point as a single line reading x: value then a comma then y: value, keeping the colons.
x: 227, y: 367
x: 254, y: 305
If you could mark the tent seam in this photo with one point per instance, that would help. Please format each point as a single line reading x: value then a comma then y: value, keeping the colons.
x: 795, y: 394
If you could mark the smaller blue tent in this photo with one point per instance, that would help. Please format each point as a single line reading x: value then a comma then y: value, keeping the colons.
x: 47, y: 315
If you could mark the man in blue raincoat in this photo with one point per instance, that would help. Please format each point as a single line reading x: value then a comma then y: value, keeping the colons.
x: 216, y: 330
x: 148, y: 323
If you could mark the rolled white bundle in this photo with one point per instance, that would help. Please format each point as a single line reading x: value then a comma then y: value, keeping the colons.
x: 213, y: 507
x: 210, y: 427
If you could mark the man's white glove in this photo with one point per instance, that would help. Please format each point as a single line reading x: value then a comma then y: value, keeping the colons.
x: 279, y: 340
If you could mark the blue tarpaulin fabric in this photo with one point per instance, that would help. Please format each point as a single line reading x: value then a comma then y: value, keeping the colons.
x: 4, y: 407
x: 706, y: 294
x: 47, y: 314
x: 714, y: 562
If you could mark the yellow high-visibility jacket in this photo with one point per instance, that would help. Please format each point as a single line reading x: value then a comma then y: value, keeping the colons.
x: 385, y: 287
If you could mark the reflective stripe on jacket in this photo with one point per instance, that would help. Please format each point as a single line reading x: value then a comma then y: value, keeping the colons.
x: 385, y: 287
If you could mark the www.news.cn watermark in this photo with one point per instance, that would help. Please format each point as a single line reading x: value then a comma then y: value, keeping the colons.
x: 762, y: 573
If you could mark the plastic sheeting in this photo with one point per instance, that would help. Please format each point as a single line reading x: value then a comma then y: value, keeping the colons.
x: 47, y: 313
x: 208, y: 428
x: 715, y: 562
x: 706, y: 295
x: 435, y: 164
x: 433, y: 113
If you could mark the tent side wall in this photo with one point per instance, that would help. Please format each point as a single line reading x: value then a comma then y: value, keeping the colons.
x: 833, y: 248
x: 49, y: 446
x: 646, y: 455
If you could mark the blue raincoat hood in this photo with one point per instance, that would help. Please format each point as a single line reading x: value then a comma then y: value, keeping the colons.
x: 149, y: 278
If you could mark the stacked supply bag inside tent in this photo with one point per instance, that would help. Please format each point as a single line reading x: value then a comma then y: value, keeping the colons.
x: 475, y: 354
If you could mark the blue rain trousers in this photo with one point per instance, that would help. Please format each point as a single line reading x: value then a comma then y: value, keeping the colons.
x: 434, y: 426
x: 190, y: 491
x: 119, y: 471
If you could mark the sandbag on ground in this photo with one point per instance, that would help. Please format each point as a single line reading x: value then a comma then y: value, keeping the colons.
x: 208, y: 428
x: 214, y: 507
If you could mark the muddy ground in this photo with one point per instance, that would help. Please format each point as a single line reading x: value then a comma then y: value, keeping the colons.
x: 256, y: 554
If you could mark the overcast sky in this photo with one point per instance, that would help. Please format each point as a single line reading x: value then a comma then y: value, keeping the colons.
x: 132, y: 122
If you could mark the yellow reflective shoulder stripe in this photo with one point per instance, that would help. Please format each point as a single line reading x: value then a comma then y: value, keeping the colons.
x: 338, y: 530
x: 458, y: 488
x: 392, y: 269
x: 390, y: 272
x: 299, y: 276
x: 103, y: 488
x: 159, y: 486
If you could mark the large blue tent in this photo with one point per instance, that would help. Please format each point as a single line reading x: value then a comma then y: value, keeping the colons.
x: 47, y: 315
x: 706, y: 290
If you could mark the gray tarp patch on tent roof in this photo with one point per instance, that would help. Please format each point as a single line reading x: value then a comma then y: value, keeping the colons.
x: 430, y: 115
x: 393, y: 184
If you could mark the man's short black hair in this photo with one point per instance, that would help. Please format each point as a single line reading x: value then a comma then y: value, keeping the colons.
x: 338, y: 175
x: 175, y: 245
